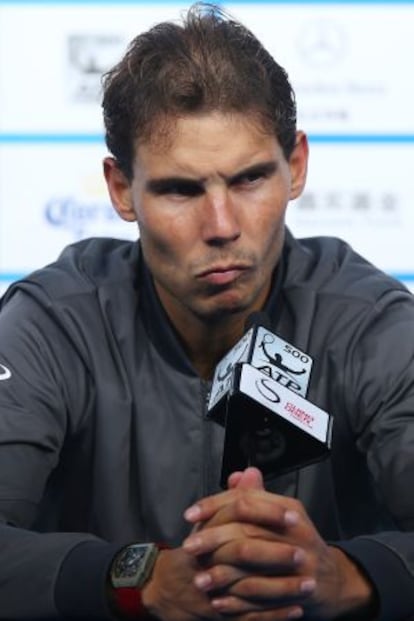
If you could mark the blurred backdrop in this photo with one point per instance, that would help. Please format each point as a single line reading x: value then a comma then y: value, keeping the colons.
x: 350, y: 63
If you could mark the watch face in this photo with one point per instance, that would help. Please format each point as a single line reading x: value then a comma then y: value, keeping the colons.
x: 128, y: 563
x: 133, y: 565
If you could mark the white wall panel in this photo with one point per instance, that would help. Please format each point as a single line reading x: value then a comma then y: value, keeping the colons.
x: 350, y: 63
x: 52, y: 195
x: 52, y: 56
x: 364, y: 197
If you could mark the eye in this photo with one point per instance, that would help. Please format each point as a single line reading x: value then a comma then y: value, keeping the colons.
x: 183, y: 188
x: 254, y: 176
x: 175, y: 187
x: 249, y: 180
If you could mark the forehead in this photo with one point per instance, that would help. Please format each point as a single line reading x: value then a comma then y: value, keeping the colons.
x: 202, y: 141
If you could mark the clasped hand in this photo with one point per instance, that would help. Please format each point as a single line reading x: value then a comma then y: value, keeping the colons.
x: 257, y: 556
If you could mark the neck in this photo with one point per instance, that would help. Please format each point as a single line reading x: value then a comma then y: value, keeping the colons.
x: 206, y: 343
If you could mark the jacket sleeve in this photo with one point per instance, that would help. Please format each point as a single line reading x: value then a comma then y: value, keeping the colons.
x: 387, y: 571
x: 380, y: 406
x: 43, y: 395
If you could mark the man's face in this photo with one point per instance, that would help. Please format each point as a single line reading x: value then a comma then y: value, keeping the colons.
x: 210, y: 205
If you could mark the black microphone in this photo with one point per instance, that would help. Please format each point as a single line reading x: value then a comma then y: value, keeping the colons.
x: 258, y: 394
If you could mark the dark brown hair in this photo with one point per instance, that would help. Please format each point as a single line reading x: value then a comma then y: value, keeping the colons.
x: 209, y: 62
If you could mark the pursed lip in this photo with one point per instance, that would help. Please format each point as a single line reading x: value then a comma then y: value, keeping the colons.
x: 223, y: 274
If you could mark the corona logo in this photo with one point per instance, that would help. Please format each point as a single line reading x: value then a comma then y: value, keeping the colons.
x: 80, y: 218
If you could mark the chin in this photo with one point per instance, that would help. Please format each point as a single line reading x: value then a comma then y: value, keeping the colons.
x: 218, y: 312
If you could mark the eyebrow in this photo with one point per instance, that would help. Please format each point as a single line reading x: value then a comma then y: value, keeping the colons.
x: 163, y: 184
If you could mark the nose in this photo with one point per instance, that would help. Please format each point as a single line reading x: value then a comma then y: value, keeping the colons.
x: 220, y: 218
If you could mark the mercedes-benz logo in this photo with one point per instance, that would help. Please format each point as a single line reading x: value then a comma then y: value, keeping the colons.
x: 322, y: 43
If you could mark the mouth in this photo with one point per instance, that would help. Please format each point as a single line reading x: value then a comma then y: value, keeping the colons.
x: 222, y: 275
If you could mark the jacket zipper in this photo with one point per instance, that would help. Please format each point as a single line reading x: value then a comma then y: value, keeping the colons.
x: 206, y: 484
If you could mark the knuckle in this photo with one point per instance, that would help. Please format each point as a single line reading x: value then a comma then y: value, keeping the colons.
x: 242, y: 506
x: 247, y: 588
x: 297, y: 505
x: 220, y: 575
x: 250, y: 530
x: 244, y: 551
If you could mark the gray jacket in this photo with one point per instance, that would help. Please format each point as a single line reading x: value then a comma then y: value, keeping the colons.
x: 104, y: 438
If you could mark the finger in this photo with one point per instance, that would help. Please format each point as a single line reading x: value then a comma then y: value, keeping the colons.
x: 235, y: 545
x: 249, y: 506
x: 218, y: 578
x: 250, y: 478
x: 205, y: 508
x: 259, y: 594
x: 244, y: 610
x: 271, y: 591
x: 234, y: 479
x: 279, y: 614
x: 221, y: 576
x: 201, y: 542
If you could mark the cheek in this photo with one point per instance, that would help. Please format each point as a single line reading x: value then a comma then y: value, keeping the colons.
x: 161, y: 242
x: 155, y: 244
x: 270, y: 232
x: 268, y: 221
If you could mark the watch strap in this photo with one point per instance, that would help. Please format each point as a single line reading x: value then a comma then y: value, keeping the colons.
x: 128, y: 604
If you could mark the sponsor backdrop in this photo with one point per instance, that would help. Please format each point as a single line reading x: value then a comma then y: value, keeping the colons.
x: 350, y: 64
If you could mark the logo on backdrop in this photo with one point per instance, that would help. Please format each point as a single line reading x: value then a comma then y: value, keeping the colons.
x: 359, y: 207
x: 80, y: 217
x: 322, y: 43
x: 89, y: 56
x: 85, y: 211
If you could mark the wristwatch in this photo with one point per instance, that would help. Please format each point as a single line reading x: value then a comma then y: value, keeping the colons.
x: 131, y: 568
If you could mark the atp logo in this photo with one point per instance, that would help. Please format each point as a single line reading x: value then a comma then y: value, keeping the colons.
x: 275, y: 359
x: 281, y: 361
x: 225, y: 373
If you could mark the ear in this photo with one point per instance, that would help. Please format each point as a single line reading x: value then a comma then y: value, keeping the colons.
x: 119, y: 189
x: 298, y: 164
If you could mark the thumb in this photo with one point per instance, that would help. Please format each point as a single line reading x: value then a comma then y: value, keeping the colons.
x: 251, y: 478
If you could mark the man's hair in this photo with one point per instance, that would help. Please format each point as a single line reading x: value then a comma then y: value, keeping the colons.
x: 207, y: 63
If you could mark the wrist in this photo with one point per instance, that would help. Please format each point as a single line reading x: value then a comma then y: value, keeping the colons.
x: 357, y: 595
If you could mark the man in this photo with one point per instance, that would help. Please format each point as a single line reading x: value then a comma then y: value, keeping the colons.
x: 107, y: 358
